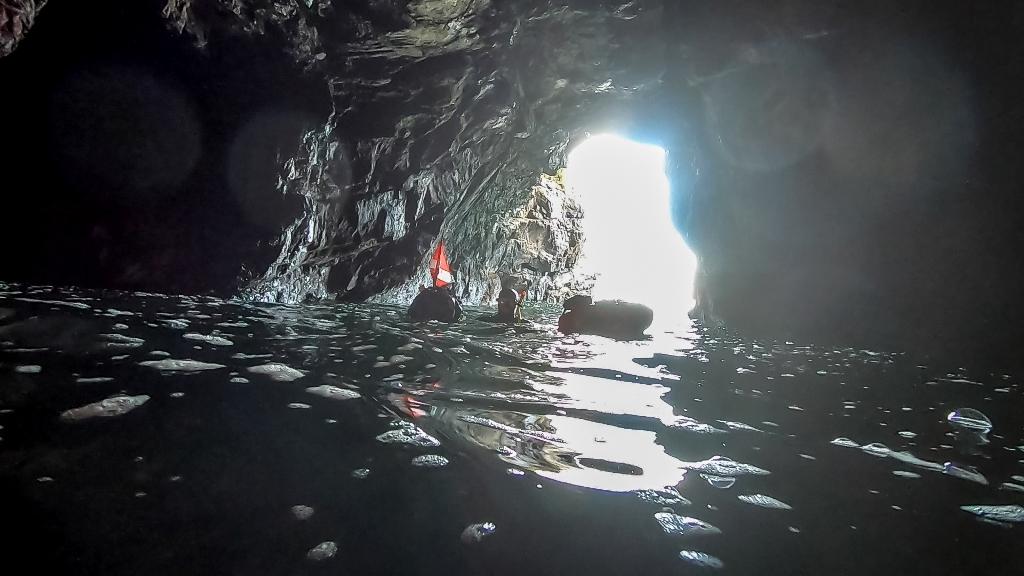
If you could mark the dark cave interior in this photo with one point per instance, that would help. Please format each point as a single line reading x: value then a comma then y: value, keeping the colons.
x: 845, y: 172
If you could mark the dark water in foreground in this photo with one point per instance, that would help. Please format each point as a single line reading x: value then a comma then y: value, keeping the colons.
x: 579, y: 450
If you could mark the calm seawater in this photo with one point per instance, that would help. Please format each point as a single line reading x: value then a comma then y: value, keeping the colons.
x: 147, y: 434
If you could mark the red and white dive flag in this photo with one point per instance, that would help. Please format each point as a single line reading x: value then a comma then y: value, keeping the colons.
x: 439, y: 269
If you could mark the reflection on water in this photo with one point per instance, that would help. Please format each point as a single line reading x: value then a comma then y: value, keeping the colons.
x: 153, y: 434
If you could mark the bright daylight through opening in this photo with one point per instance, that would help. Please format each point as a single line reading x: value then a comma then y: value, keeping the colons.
x: 631, y: 243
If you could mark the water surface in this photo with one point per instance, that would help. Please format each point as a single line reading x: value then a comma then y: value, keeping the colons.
x: 264, y: 439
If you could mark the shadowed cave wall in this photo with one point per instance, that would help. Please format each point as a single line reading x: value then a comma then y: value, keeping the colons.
x: 844, y: 171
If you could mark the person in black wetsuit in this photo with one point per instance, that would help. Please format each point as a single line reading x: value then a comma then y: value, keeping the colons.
x: 611, y: 318
x: 435, y: 303
x: 509, y: 308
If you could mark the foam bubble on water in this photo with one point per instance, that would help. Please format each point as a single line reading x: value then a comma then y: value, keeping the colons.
x: 28, y: 369
x: 691, y: 425
x: 120, y: 326
x: 159, y: 354
x: 172, y: 365
x: 232, y: 324
x: 94, y: 380
x: 361, y: 473
x: 363, y: 347
x: 333, y: 392
x: 277, y: 372
x: 302, y: 512
x: 515, y: 472
x: 121, y: 357
x: 908, y: 458
x: 684, y: 525
x: 722, y: 466
x: 701, y: 559
x: 177, y: 394
x: 970, y: 419
x: 764, y: 501
x: 177, y: 323
x: 209, y: 339
x: 739, y: 426
x: 299, y: 406
x: 78, y: 305
x: 239, y: 380
x: 906, y: 474
x: 430, y: 461
x: 408, y: 434
x: 962, y: 381
x: 1004, y: 513
x: 964, y: 472
x: 667, y: 496
x: 382, y: 364
x: 409, y: 347
x: 322, y: 551
x: 398, y: 359
x: 243, y: 356
x: 1017, y: 478
x: 44, y: 479
x: 113, y: 406
x: 907, y: 434
x: 476, y: 532
x: 1011, y: 486
x: 876, y: 449
x: 845, y: 442
x: 720, y: 482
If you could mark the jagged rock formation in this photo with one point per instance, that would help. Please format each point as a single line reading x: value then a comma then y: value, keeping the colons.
x: 531, y: 240
x: 445, y: 115
x: 16, y: 18
x: 839, y: 169
x: 778, y: 123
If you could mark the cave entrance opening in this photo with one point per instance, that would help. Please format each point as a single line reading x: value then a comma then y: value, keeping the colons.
x: 631, y: 244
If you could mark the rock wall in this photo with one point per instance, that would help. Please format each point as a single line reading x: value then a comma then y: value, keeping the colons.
x: 531, y: 241
x: 16, y: 18
x: 842, y: 170
x: 445, y: 116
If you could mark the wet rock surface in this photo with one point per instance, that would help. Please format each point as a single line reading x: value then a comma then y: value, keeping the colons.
x: 353, y: 136
x: 16, y: 19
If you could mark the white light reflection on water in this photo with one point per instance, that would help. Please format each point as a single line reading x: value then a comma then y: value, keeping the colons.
x: 647, y: 464
x: 605, y: 396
